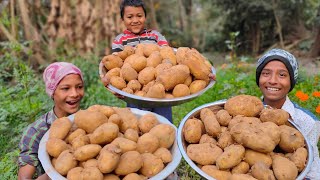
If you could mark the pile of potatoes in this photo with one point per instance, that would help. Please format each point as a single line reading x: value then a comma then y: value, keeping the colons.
x: 243, y: 140
x: 152, y: 71
x: 109, y: 143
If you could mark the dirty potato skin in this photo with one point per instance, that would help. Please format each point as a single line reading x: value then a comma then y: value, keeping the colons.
x: 245, y: 105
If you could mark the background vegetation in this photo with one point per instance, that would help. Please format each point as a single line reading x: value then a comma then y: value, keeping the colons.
x: 232, y: 34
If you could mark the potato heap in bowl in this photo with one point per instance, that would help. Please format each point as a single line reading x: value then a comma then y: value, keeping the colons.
x: 109, y: 143
x: 244, y: 140
x: 158, y: 72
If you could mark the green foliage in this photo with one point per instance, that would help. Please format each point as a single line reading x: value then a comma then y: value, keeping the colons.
x: 8, y: 165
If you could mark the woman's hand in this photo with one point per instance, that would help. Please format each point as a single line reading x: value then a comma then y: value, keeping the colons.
x: 105, y: 81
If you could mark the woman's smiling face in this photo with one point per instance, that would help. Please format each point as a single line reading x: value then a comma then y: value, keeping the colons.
x: 68, y: 95
x: 274, y: 83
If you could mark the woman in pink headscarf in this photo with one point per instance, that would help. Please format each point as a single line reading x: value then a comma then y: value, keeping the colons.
x: 65, y: 86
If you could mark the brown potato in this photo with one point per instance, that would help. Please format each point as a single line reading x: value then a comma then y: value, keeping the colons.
x: 161, y: 67
x: 241, y: 177
x: 181, y: 90
x: 55, y: 147
x: 156, y: 91
x: 146, y: 75
x: 196, y: 62
x: 75, y: 134
x: 154, y: 59
x: 168, y: 53
x: 192, y: 130
x: 181, y: 54
x: 92, y: 173
x: 291, y: 139
x: 118, y: 82
x: 127, y: 51
x: 137, y: 62
x: 128, y: 73
x: 299, y: 158
x: 90, y: 163
x: 188, y: 81
x: 75, y: 173
x: 86, y: 152
x: 132, y: 135
x: 60, y: 128
x: 140, y: 93
x: 128, y: 119
x: 147, y: 122
x: 149, y: 48
x: 252, y: 157
x: 210, y: 122
x: 127, y: 90
x: 126, y: 165
x: 65, y: 162
x: 223, y: 117
x: 245, y: 105
x: 125, y: 144
x: 225, y: 140
x: 112, y: 61
x: 168, y: 96
x: 170, y: 79
x: 134, y: 85
x: 240, y: 118
x: 241, y: 168
x: 261, y: 171
x: 164, y: 154
x: 278, y: 116
x: 205, y: 138
x: 104, y: 134
x: 80, y: 141
x: 271, y: 129
x: 115, y: 119
x: 204, y: 154
x: 109, y: 158
x: 88, y: 120
x: 151, y: 165
x: 165, y: 133
x: 139, y: 49
x: 197, y: 86
x: 231, y: 157
x: 111, y: 177
x: 147, y: 143
x: 147, y: 86
x: 113, y: 72
x: 283, y: 168
x: 213, y: 171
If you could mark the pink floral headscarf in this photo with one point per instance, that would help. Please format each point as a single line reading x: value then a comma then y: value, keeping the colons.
x: 55, y: 72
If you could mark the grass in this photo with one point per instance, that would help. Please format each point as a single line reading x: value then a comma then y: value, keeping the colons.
x: 23, y: 99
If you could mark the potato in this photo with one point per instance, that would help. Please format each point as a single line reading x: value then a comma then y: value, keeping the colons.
x: 245, y: 105
x: 231, y: 157
x: 205, y: 138
x: 90, y: 163
x: 290, y: 139
x: 241, y: 177
x: 134, y: 85
x: 197, y: 86
x: 223, y: 117
x: 261, y: 171
x: 128, y: 119
x: 168, y: 96
x: 283, y: 168
x: 115, y: 119
x: 278, y: 116
x: 112, y: 61
x: 137, y: 62
x: 156, y: 91
x: 149, y: 48
x: 165, y: 133
x: 127, y: 51
x: 109, y: 158
x: 127, y: 90
x: 55, y: 147
x: 125, y: 144
x: 140, y: 93
x: 75, y: 134
x: 113, y: 72
x: 181, y: 54
x: 133, y: 176
x: 241, y: 168
x: 128, y: 73
x: 86, y: 152
x: 252, y: 157
x: 139, y: 49
x: 104, y: 134
x: 111, y: 177
x: 196, y: 62
x: 192, y: 130
x: 224, y: 139
x: 118, y: 82
x: 130, y: 162
x: 151, y: 165
x: 210, y: 122
x: 168, y: 53
x: 164, y: 154
x: 204, y: 154
x: 213, y: 171
x: 65, y: 162
x: 60, y: 128
x: 146, y: 75
x: 80, y: 141
x: 92, y: 173
x: 188, y: 81
x: 88, y: 120
x: 147, y: 122
x: 181, y: 90
x: 271, y: 129
x: 75, y: 173
x: 154, y: 59
x: 251, y: 137
x: 240, y: 118
x: 299, y: 158
x: 170, y: 79
x: 147, y: 143
x: 132, y: 135
x: 106, y: 110
x: 162, y: 67
x: 146, y: 87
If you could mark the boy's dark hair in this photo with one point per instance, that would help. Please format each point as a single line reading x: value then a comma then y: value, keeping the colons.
x: 135, y: 3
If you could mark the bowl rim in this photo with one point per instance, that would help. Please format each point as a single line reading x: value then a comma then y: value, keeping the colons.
x: 169, y: 168
x: 221, y: 102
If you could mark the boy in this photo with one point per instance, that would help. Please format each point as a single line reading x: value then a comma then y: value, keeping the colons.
x: 133, y: 15
x: 276, y: 75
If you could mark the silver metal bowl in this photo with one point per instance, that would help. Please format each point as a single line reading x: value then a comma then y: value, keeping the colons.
x: 154, y: 102
x: 215, y: 106
x: 170, y: 167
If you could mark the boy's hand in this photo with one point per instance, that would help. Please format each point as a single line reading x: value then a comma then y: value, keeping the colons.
x: 105, y: 80
x: 212, y: 76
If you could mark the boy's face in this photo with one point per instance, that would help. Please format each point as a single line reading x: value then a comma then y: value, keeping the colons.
x: 134, y: 19
x: 68, y: 95
x: 274, y: 82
